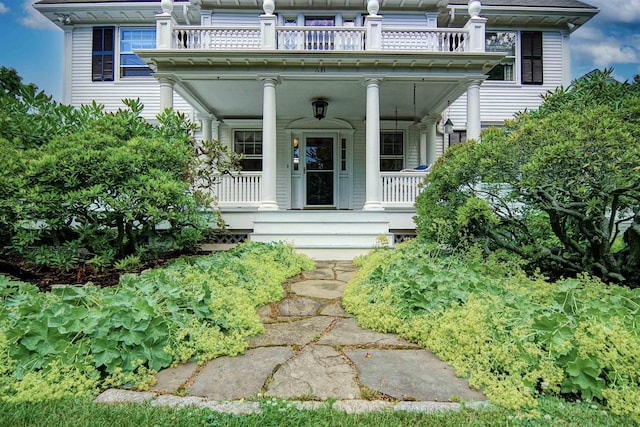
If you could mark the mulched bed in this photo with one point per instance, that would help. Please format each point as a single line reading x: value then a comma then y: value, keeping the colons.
x: 45, y: 277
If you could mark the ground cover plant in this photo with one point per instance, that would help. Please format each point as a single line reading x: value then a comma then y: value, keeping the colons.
x: 83, y: 412
x: 558, y: 186
x: 75, y: 341
x: 515, y: 337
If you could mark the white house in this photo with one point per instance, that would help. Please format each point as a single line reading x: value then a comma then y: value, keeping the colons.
x: 333, y: 103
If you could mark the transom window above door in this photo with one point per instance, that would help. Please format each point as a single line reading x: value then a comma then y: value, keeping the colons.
x: 319, y: 21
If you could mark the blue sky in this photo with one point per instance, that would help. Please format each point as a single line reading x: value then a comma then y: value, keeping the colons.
x: 33, y: 46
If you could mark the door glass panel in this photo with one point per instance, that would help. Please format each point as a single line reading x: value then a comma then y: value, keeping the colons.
x: 319, y: 164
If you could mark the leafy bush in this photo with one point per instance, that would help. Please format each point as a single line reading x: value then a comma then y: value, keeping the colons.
x: 76, y: 340
x: 97, y: 187
x: 559, y: 186
x: 514, y: 337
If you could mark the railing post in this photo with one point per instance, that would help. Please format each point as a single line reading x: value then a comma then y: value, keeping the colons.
x: 268, y: 23
x: 475, y: 26
x: 373, y: 24
x: 164, y: 25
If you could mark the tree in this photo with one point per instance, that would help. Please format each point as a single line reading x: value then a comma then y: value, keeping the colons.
x: 559, y: 186
x: 85, y: 185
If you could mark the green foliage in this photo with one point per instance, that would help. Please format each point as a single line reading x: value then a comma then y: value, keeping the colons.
x: 75, y: 340
x: 83, y: 412
x: 100, y: 186
x: 514, y: 337
x: 557, y: 186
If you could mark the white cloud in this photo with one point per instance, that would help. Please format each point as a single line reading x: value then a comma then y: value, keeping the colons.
x: 591, y: 45
x: 627, y: 11
x: 33, y: 19
x: 3, y: 8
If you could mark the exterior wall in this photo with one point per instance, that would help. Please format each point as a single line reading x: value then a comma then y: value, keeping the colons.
x: 501, y: 100
x: 84, y: 91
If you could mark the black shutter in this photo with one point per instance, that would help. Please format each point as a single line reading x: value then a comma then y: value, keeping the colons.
x: 102, y: 54
x: 531, y: 57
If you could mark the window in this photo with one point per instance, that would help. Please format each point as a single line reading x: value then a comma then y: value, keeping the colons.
x: 531, y: 48
x: 457, y: 137
x: 503, y: 42
x: 102, y: 54
x: 135, y: 38
x: 249, y: 144
x: 391, y: 151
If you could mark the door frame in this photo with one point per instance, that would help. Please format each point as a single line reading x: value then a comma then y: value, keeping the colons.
x: 337, y: 129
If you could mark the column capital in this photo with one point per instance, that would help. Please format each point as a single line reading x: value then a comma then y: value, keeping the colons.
x: 269, y: 78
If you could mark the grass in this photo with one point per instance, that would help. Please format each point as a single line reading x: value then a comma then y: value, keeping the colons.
x: 83, y: 412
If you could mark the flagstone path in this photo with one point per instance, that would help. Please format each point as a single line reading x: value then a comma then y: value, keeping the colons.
x: 313, y: 351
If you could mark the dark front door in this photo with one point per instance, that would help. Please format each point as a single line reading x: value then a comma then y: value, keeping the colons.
x: 319, y: 171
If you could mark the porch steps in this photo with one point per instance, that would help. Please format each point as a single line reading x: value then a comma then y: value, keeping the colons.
x: 324, y: 235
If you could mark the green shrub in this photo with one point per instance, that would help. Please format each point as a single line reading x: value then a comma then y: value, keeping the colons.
x: 512, y: 336
x: 557, y: 186
x: 98, y: 187
x: 77, y: 340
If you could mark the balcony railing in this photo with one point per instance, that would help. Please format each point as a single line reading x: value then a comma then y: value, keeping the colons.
x: 212, y: 38
x: 432, y: 40
x: 321, y: 38
x: 400, y: 189
x: 317, y: 39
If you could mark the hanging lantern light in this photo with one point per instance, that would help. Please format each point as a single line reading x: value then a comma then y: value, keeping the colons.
x: 448, y: 127
x: 319, y: 108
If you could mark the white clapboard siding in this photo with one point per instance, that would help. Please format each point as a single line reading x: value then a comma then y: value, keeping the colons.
x: 404, y: 21
x: 110, y: 94
x: 225, y: 19
x: 501, y: 100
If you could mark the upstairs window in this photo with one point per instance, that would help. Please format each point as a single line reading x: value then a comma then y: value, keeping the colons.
x: 531, y: 48
x: 502, y: 42
x: 135, y: 38
x: 391, y: 151
x: 102, y: 54
x: 249, y: 144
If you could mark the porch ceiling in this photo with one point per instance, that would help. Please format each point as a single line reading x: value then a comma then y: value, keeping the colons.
x: 228, y: 85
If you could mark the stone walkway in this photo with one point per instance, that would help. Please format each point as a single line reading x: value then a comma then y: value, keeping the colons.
x: 313, y: 351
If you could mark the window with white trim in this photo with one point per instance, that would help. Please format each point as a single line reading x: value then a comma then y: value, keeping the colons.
x: 391, y: 151
x: 502, y: 42
x: 249, y: 144
x: 531, y: 50
x: 135, y: 38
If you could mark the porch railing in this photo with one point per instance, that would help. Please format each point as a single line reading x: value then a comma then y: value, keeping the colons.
x: 239, y: 190
x: 400, y: 189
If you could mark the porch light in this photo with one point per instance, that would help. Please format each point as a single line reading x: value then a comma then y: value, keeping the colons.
x: 319, y: 108
x: 448, y: 127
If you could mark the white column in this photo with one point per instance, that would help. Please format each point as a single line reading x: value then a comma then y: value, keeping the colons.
x: 269, y: 164
x: 473, y: 110
x: 206, y: 120
x: 67, y: 64
x: 166, y: 92
x: 373, y: 195
x: 428, y: 156
x: 215, y: 130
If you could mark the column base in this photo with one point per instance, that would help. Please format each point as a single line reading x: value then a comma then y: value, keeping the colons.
x: 373, y: 206
x: 268, y: 206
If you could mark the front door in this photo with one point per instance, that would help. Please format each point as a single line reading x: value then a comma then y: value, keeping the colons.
x: 319, y: 172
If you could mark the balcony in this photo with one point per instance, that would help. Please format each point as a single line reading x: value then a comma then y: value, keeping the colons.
x: 318, y: 39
